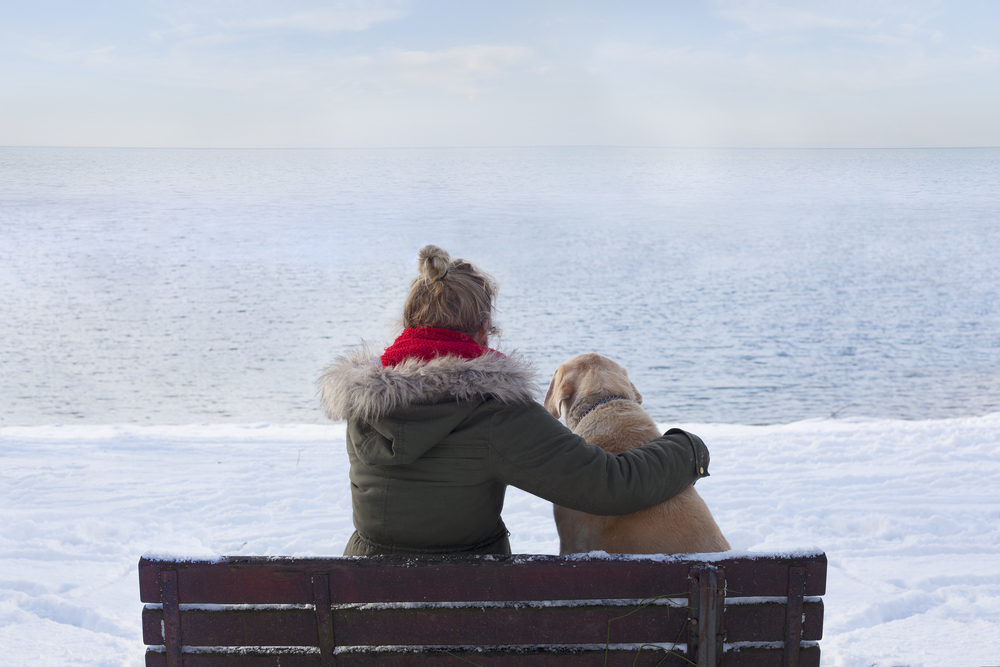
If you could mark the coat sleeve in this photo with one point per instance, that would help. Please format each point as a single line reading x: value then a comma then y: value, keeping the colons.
x: 535, y: 452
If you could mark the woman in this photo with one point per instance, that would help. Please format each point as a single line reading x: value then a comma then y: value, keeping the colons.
x: 440, y: 424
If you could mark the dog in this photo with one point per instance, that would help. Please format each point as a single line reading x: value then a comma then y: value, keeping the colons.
x: 599, y: 402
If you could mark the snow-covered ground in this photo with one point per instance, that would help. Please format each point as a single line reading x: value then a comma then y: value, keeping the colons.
x: 908, y: 513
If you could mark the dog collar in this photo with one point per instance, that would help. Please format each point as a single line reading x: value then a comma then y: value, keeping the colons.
x: 606, y: 399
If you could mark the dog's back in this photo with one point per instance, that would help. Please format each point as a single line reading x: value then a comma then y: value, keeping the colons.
x: 682, y: 524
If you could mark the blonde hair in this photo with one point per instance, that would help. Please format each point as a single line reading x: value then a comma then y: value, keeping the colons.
x: 450, y: 295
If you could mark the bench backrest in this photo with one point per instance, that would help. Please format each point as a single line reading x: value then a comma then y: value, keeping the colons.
x: 484, y: 610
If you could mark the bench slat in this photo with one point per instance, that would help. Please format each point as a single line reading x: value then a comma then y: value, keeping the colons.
x: 809, y: 657
x: 473, y: 626
x: 765, y: 622
x: 154, y: 659
x: 525, y: 626
x: 457, y: 579
x: 293, y: 627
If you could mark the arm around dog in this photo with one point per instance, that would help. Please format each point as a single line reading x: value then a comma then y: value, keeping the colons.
x: 533, y: 451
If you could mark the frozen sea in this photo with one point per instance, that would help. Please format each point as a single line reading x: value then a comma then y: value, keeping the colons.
x: 737, y: 286
x: 826, y: 320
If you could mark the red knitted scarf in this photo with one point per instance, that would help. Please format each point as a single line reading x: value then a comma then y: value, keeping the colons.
x: 428, y: 343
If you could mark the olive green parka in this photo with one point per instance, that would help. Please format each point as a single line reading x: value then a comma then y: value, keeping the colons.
x: 433, y: 446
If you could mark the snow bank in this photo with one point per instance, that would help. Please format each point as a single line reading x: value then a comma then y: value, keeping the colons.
x: 908, y: 513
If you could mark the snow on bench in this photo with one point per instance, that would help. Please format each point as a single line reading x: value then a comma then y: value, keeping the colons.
x: 729, y: 610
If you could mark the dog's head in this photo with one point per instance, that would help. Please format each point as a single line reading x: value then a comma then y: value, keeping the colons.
x: 586, y: 377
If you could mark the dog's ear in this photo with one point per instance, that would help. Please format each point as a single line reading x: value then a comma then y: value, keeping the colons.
x: 550, y: 403
x: 638, y: 396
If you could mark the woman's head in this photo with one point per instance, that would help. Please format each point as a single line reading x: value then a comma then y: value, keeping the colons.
x: 450, y: 295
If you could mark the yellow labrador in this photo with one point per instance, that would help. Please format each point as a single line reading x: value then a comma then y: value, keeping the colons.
x: 598, y: 401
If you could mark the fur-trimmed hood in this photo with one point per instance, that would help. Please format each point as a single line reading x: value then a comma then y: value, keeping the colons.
x: 357, y: 386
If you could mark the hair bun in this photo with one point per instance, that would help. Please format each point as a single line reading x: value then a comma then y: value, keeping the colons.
x: 432, y: 262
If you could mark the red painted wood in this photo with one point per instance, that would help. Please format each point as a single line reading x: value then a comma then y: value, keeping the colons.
x: 769, y: 576
x: 171, y: 617
x: 766, y: 622
x: 229, y: 660
x: 415, y: 627
x: 793, y: 615
x: 324, y: 619
x: 646, y: 658
x: 809, y: 657
x: 708, y: 604
x: 264, y: 627
x: 752, y: 657
x: 149, y: 582
x: 152, y: 630
x: 421, y: 627
x: 557, y: 625
x: 591, y: 658
x: 449, y: 579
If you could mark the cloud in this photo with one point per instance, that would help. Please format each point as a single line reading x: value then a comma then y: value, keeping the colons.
x: 398, y: 72
x: 825, y: 74
x: 462, y: 70
x: 226, y: 62
x: 827, y: 49
x: 227, y: 45
x: 232, y: 16
x: 807, y: 15
x: 340, y: 17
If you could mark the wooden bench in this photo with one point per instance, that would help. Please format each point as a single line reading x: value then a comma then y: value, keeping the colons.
x: 536, y: 611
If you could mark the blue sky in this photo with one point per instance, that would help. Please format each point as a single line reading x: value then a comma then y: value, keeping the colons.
x: 269, y: 73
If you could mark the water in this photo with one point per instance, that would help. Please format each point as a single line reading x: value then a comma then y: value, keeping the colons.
x: 742, y: 286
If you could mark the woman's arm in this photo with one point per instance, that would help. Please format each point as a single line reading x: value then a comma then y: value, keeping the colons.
x: 533, y: 451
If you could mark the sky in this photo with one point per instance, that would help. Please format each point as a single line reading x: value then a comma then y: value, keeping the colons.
x: 413, y: 73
